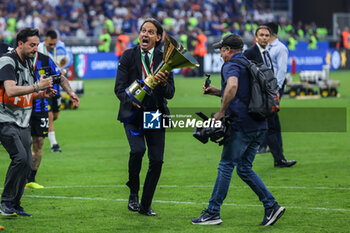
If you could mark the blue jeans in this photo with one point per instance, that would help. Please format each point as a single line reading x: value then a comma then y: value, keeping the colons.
x: 240, y: 151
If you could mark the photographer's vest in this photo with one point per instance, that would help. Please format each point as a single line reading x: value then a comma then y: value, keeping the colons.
x: 17, y: 109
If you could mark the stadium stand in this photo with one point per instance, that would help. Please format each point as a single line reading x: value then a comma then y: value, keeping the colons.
x: 81, y: 18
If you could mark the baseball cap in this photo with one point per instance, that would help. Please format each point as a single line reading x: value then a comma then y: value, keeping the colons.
x: 232, y: 40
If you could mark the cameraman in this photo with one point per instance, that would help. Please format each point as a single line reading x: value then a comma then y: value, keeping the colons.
x: 240, y: 148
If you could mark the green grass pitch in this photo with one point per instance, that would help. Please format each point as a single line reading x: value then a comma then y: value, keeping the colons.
x: 85, y: 184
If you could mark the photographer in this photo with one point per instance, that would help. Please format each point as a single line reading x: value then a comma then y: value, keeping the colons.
x: 240, y: 148
x: 43, y: 65
x: 18, y: 86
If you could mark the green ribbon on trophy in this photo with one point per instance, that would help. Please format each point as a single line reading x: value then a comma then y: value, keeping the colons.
x: 175, y: 56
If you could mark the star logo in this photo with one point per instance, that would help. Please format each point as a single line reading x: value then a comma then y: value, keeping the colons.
x: 151, y: 120
x: 156, y: 115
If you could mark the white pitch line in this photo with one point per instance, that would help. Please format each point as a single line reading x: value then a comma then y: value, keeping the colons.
x: 191, y: 186
x: 178, y: 202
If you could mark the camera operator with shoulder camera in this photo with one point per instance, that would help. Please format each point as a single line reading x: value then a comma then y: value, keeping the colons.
x: 246, y: 135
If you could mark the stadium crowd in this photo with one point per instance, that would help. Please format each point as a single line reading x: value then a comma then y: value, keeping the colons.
x: 81, y: 18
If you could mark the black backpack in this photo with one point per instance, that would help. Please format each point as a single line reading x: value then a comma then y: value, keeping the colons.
x: 264, y: 96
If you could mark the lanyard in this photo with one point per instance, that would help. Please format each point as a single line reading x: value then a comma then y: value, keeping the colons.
x: 144, y: 66
x: 35, y: 60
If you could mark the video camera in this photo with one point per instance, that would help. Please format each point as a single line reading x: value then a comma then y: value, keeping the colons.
x: 216, y: 134
x: 46, y: 70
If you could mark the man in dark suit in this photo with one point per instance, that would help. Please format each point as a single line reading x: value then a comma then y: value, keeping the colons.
x: 259, y: 53
x: 137, y: 63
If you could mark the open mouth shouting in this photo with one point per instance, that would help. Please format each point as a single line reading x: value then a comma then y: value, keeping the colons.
x: 144, y: 42
x: 148, y: 36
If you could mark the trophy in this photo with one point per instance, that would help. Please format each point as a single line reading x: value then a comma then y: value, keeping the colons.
x: 175, y: 56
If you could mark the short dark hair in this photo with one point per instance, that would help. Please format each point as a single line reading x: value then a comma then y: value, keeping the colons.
x: 157, y: 25
x: 263, y: 27
x: 23, y: 34
x: 52, y: 34
x: 273, y: 26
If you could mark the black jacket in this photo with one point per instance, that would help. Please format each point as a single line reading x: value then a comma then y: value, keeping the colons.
x: 130, y: 69
x: 253, y: 53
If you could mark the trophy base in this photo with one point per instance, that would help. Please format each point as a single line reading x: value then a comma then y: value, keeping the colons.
x: 137, y: 91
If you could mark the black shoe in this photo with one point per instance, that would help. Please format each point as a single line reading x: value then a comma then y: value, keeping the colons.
x: 56, y: 148
x: 262, y: 150
x: 20, y: 212
x: 285, y: 163
x: 272, y: 215
x: 133, y: 204
x: 6, y: 209
x: 148, y: 212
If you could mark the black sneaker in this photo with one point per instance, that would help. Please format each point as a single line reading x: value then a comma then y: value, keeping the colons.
x: 208, y: 218
x: 7, y: 209
x: 20, y: 212
x: 272, y: 215
x: 56, y: 148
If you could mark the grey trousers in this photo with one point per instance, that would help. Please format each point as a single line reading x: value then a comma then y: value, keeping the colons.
x: 17, y: 142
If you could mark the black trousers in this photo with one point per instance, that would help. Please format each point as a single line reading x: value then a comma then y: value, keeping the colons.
x: 17, y: 142
x: 274, y: 136
x: 200, y: 69
x: 155, y: 140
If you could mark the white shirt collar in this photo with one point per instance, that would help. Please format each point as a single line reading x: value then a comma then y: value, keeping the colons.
x: 261, y: 49
x: 150, y: 51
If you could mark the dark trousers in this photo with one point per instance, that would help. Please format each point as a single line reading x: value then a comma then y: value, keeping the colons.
x: 155, y: 140
x: 17, y: 142
x: 274, y: 136
x: 200, y: 69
